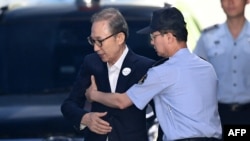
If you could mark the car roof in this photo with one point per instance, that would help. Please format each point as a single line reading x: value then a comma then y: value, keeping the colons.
x: 67, y: 10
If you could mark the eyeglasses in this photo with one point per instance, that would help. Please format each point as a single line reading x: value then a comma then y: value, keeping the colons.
x: 99, y: 42
x: 154, y: 36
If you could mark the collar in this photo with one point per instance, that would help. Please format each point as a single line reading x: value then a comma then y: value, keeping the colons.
x: 224, y: 27
x: 118, y: 63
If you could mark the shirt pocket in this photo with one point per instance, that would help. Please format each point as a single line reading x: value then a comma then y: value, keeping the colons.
x: 215, y: 52
x: 217, y: 57
x: 246, y: 47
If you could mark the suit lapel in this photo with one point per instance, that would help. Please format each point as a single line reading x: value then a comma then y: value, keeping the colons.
x: 103, y: 79
x: 125, y: 75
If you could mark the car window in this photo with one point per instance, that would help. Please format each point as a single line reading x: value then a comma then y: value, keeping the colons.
x: 28, y: 56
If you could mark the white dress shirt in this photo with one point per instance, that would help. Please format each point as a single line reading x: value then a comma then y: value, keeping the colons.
x: 114, y: 70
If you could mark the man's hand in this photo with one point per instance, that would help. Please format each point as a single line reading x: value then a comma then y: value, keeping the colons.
x: 94, y: 122
x: 114, y: 100
x: 92, y: 90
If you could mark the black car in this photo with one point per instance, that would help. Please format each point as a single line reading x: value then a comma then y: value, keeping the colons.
x: 41, y: 49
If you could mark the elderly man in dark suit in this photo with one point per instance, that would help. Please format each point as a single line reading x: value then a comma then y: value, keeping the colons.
x: 116, y: 68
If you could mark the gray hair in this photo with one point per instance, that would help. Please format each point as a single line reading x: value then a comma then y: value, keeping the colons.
x: 117, y: 22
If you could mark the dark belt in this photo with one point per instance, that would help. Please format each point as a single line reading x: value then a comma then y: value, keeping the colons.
x: 235, y: 107
x: 199, y: 139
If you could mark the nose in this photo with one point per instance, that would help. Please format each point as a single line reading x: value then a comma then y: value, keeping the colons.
x: 96, y: 47
x: 152, y: 42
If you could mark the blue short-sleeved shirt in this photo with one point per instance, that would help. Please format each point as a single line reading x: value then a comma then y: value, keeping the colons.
x: 230, y: 58
x: 184, y: 92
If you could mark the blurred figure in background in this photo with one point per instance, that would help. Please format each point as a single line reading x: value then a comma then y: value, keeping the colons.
x: 227, y: 48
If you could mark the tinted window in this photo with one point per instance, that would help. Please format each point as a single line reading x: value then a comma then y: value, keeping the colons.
x: 28, y: 54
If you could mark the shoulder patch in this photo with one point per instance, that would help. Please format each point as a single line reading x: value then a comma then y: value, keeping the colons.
x: 211, y: 28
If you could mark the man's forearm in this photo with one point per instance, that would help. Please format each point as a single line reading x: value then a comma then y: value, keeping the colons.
x: 108, y: 99
x: 114, y: 100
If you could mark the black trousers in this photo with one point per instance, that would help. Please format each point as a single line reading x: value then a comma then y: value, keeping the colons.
x: 160, y: 135
x: 199, y: 139
x: 234, y: 114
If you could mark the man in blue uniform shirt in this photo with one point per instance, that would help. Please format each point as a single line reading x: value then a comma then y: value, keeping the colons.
x: 227, y: 48
x: 183, y: 88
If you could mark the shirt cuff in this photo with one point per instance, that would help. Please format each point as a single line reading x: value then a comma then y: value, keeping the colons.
x: 82, y: 126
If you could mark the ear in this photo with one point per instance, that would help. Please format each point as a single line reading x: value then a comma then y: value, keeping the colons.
x: 171, y: 37
x: 120, y: 37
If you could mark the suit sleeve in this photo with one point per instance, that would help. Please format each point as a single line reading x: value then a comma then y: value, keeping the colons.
x: 73, y: 106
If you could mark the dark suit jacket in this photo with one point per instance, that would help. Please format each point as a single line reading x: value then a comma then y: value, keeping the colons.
x: 128, y: 124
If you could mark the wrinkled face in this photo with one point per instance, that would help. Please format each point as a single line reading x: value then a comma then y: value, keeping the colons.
x: 106, y: 44
x: 233, y: 8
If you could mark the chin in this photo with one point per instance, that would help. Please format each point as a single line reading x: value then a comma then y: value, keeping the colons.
x: 104, y: 59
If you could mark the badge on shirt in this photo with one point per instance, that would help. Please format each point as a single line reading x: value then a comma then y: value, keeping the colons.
x: 126, y: 71
x: 141, y: 81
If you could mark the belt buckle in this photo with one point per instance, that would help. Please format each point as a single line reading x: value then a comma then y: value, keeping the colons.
x: 235, y: 107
